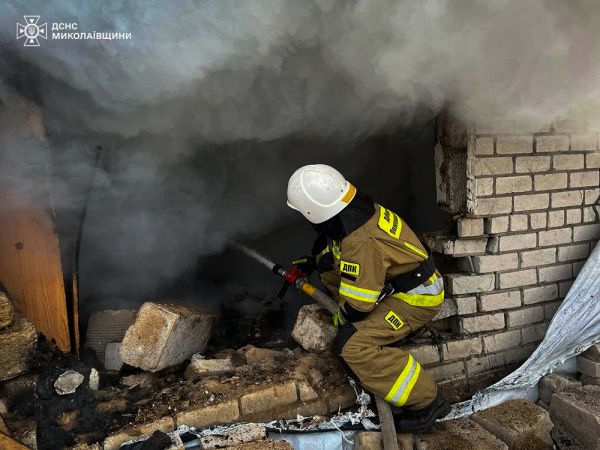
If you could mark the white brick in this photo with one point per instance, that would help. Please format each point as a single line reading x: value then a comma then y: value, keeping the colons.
x: 486, y: 322
x: 525, y: 316
x: 469, y: 227
x: 462, y: 246
x: 484, y: 146
x: 577, y: 266
x: 485, y: 364
x: 490, y: 206
x: 517, y: 241
x: 493, y: 166
x: 494, y: 263
x: 564, y: 287
x: 469, y: 284
x: 537, y: 220
x: 554, y: 237
x: 556, y: 273
x: 592, y: 160
x: 583, y: 142
x: 531, y: 164
x: 536, y: 258
x: 531, y: 202
x: 552, y: 143
x: 567, y: 198
x: 495, y: 225
x: 573, y: 216
x: 567, y: 162
x: 508, y: 185
x: 447, y: 371
x: 500, y: 300
x: 540, y: 294
x: 591, y: 214
x: 584, y: 179
x: 592, y: 196
x: 461, y: 348
x: 550, y: 181
x: 586, y: 232
x: 533, y: 333
x: 484, y: 186
x: 501, y: 341
x: 572, y: 252
x: 556, y: 218
x: 514, y: 144
x: 519, y: 222
x: 466, y: 305
x: 517, y: 278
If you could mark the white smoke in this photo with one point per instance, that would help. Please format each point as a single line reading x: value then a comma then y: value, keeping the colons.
x: 210, y: 106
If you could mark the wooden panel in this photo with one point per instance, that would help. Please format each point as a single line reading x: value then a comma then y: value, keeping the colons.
x: 31, y: 271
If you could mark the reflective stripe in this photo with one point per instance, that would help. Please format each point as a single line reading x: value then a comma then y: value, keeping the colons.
x: 405, y: 382
x: 357, y: 293
x: 325, y: 250
x: 435, y: 286
x: 420, y: 299
x: 335, y: 249
x: 415, y: 249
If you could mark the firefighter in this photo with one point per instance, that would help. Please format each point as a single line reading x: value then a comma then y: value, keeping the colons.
x: 386, y: 286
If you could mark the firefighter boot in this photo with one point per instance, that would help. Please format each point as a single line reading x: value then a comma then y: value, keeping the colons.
x: 410, y: 421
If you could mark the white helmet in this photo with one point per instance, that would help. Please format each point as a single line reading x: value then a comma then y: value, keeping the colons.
x: 319, y: 192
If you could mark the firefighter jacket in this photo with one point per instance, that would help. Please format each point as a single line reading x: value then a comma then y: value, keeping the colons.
x: 369, y: 248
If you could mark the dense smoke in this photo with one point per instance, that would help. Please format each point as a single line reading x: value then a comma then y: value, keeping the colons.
x: 205, y: 112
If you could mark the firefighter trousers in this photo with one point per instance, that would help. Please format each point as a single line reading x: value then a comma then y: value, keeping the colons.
x: 387, y: 371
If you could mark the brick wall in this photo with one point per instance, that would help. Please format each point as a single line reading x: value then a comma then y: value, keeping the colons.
x: 522, y: 229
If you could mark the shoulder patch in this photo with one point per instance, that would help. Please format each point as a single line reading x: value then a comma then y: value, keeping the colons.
x: 389, y: 222
x: 349, y: 268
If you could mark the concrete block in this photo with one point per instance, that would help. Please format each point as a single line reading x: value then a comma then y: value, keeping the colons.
x: 537, y: 220
x: 551, y: 181
x: 525, y: 316
x: 555, y: 237
x: 495, y: 263
x: 112, y: 360
x: 484, y: 146
x: 553, y: 383
x: 586, y: 232
x: 205, y: 416
x: 495, y: 225
x: 514, y: 144
x: 313, y: 329
x: 6, y: 310
x: 469, y: 227
x: 555, y: 273
x: 165, y: 335
x: 487, y: 322
x: 469, y: 284
x: 517, y: 278
x: 460, y: 434
x: 491, y: 206
x: 567, y: 198
x: 17, y: 344
x: 531, y: 202
x: 577, y: 411
x: 493, y: 166
x: 501, y: 341
x: 588, y: 367
x: 268, y: 398
x: 520, y: 424
x: 592, y: 160
x: 462, y: 348
x: 200, y: 367
x: 552, y: 143
x: 500, y: 300
x: 509, y: 185
x: 484, y: 186
x: 517, y: 241
x: 540, y: 294
x: 532, y: 164
x: 592, y: 353
x: 584, y: 142
x: 567, y: 162
x: 107, y: 326
x: 536, y: 258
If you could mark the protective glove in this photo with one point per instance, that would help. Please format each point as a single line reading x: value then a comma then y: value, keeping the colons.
x: 307, y: 264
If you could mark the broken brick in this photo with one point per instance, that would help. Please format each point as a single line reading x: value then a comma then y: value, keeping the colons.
x: 205, y: 416
x: 17, y: 343
x: 268, y: 398
x: 200, y: 367
x: 313, y: 329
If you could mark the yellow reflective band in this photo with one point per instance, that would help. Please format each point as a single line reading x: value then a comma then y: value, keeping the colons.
x: 405, y: 383
x: 420, y: 299
x: 415, y: 249
x: 357, y: 293
x: 389, y: 222
x: 325, y: 250
x: 350, y: 268
x: 335, y: 249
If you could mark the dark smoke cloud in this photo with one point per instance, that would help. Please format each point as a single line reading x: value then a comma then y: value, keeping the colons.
x: 206, y: 111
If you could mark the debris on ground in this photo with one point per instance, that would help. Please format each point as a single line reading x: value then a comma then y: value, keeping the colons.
x: 68, y: 382
x: 313, y: 329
